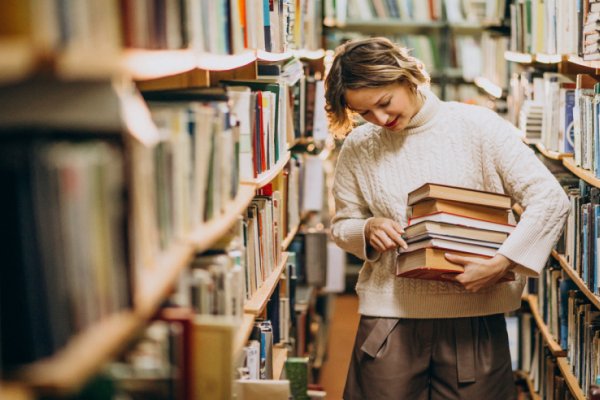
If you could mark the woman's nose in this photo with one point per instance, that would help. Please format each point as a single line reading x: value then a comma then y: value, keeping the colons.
x: 381, y: 117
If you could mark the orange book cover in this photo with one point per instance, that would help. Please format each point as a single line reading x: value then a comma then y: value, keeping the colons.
x: 430, y: 263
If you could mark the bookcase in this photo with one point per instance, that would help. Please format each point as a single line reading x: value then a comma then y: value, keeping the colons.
x: 446, y: 35
x: 549, y: 89
x: 145, y: 79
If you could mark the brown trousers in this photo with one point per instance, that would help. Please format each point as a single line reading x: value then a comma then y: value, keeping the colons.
x: 421, y: 359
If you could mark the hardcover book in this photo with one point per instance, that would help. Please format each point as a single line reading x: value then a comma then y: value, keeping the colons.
x: 469, y: 196
x: 430, y: 263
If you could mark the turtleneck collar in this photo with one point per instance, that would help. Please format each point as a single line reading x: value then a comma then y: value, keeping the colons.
x: 424, y: 117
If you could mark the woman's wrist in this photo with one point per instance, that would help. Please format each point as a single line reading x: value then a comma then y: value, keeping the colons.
x: 502, y: 263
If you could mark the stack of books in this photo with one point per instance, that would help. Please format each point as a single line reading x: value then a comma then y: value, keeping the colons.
x: 448, y: 219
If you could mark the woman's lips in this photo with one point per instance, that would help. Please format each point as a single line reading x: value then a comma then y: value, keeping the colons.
x: 392, y: 123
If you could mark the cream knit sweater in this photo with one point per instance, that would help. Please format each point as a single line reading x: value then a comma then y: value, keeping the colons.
x: 454, y: 144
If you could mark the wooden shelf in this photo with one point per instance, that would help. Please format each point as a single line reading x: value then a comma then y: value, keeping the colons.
x: 259, y: 300
x: 209, y: 233
x: 516, y: 57
x: 387, y: 24
x: 553, y: 346
x: 279, y: 357
x: 309, y: 54
x: 243, y: 334
x: 593, y: 66
x: 525, y: 376
x: 11, y: 391
x: 262, y: 55
x: 289, y: 238
x: 225, y: 62
x: 156, y: 282
x: 70, y: 368
x: 540, y: 58
x: 543, y: 58
x: 586, y: 175
x: 570, y: 379
x: 152, y: 64
x: 553, y: 155
x: 267, y: 176
x: 595, y: 300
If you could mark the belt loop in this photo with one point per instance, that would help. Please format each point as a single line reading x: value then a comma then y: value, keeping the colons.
x: 465, y: 352
x: 378, y: 334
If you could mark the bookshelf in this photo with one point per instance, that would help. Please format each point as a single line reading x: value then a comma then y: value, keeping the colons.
x: 279, y: 357
x: 553, y: 155
x: 156, y: 285
x: 576, y: 279
x: 266, y: 177
x: 207, y: 234
x: 70, y: 368
x: 553, y: 346
x: 525, y: 377
x: 243, y: 333
x: 290, y: 237
x: 257, y: 303
x: 388, y: 25
x: 570, y: 379
x: 447, y: 29
x: 586, y: 175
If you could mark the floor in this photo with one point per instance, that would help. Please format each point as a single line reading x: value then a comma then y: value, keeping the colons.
x: 341, y: 339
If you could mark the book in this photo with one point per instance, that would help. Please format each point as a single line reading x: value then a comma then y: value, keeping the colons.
x: 432, y: 206
x: 430, y: 263
x: 445, y: 229
x: 463, y: 221
x: 469, y: 196
x: 449, y: 244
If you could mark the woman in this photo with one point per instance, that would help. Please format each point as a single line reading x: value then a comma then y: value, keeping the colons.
x: 420, y: 339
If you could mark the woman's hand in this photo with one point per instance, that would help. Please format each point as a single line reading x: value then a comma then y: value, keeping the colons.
x: 479, y: 272
x: 384, y: 234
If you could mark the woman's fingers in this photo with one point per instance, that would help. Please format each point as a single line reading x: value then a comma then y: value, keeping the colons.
x: 377, y: 244
x: 395, y: 236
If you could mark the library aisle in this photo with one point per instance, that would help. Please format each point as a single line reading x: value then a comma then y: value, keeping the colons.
x: 343, y: 326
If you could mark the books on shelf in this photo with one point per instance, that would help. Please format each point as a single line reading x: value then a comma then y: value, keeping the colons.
x: 64, y: 230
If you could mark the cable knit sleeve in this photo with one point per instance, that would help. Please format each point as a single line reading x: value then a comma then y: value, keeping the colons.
x: 530, y: 184
x: 351, y: 210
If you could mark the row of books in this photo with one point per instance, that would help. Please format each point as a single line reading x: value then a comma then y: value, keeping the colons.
x: 581, y: 248
x: 465, y: 51
x: 456, y: 11
x: 572, y: 321
x: 555, y: 27
x: 220, y: 27
x: 539, y: 365
x: 494, y: 66
x: 165, y: 361
x: 66, y: 264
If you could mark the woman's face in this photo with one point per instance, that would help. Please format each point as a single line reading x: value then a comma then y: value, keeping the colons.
x: 390, y: 106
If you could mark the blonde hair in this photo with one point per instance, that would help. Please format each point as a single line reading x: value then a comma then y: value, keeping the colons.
x: 366, y: 63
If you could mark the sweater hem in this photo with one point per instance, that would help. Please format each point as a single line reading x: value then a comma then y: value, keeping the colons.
x: 505, y: 298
